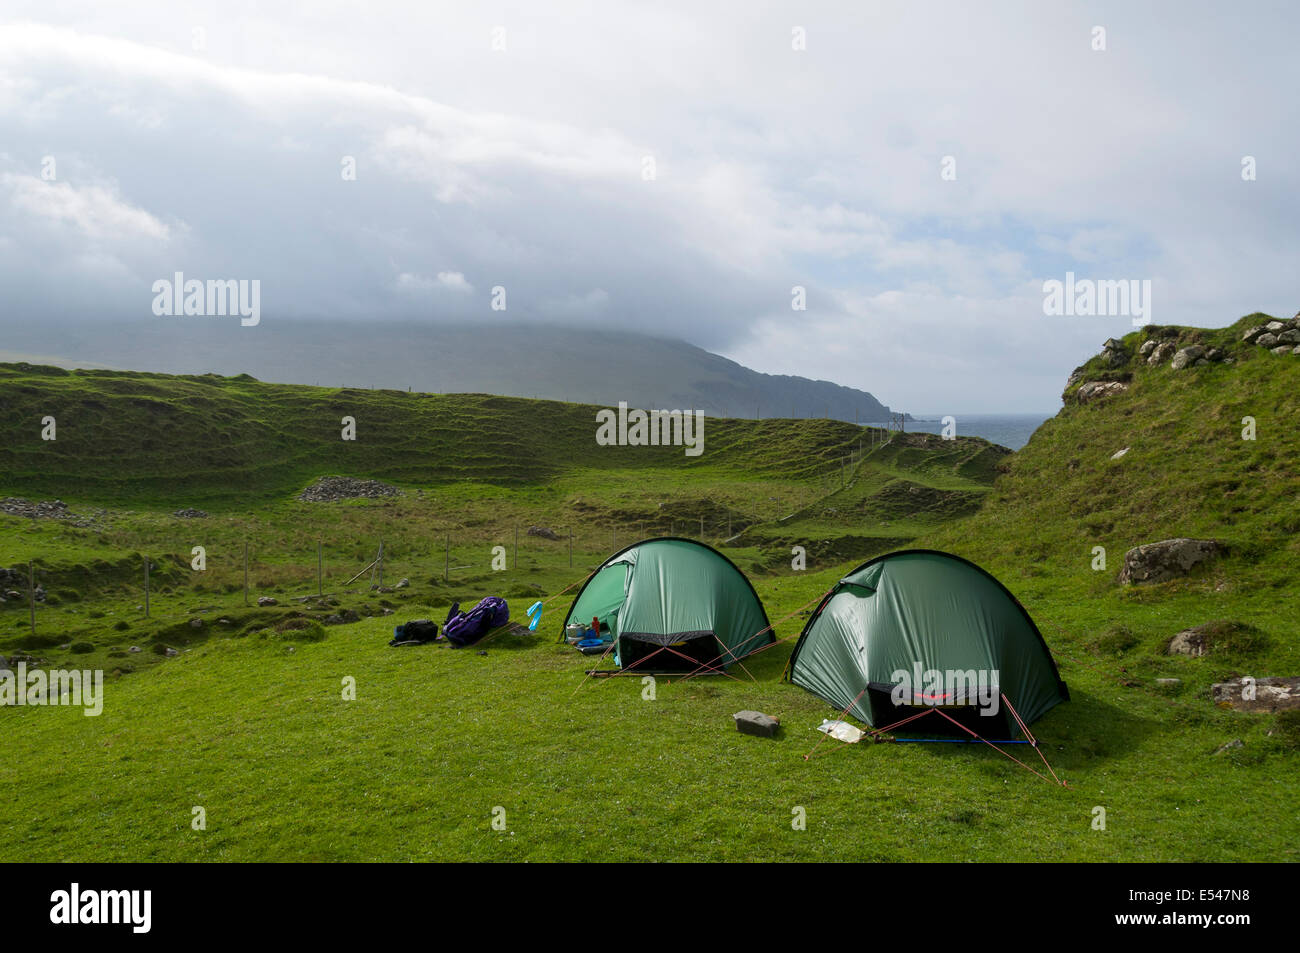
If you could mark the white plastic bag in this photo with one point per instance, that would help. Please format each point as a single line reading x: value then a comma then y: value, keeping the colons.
x: 842, y: 731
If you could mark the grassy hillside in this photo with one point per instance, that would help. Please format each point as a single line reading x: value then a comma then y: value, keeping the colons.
x: 474, y: 471
x: 163, y: 438
x: 249, y: 720
x: 895, y: 492
x: 1187, y: 472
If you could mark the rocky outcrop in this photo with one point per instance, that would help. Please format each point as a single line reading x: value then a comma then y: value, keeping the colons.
x: 1099, y: 390
x: 1167, y: 559
x: 1270, y: 694
x: 1280, y: 337
x: 544, y: 532
x: 331, y: 489
x: 190, y: 513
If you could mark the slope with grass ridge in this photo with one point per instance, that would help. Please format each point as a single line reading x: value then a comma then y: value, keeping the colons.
x: 133, y: 435
x: 1057, y: 524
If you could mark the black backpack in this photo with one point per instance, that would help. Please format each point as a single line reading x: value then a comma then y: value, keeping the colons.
x: 416, y: 632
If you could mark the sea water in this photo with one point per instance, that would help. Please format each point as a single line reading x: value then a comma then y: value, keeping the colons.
x: 1010, y: 430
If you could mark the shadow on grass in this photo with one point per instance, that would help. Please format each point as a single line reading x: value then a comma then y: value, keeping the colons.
x: 511, y: 637
x: 1073, y: 736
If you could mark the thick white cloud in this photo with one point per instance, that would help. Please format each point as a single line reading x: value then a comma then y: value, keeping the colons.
x: 93, y: 211
x: 210, y: 138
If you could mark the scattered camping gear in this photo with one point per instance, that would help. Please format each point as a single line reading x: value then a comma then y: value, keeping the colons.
x: 534, y: 615
x: 676, y: 601
x: 592, y: 646
x: 891, y: 640
x: 466, y: 628
x: 415, y: 632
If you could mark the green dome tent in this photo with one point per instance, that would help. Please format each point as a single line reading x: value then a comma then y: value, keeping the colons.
x: 919, y: 629
x: 681, y: 601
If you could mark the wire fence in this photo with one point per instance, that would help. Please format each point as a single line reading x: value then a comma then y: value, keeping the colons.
x: 258, y: 569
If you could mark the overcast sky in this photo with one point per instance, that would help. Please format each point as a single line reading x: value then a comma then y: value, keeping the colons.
x: 210, y: 138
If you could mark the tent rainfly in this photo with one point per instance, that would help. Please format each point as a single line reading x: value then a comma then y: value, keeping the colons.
x: 680, y: 601
x: 919, y: 629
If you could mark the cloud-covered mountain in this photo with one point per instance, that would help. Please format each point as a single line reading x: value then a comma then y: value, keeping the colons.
x: 576, y: 364
x: 673, y: 169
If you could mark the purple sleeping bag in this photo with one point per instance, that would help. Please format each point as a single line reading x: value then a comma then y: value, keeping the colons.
x: 466, y: 628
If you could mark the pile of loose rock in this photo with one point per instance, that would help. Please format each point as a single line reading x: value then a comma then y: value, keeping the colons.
x: 44, y: 510
x: 334, y: 488
x: 190, y: 513
x: 1280, y: 337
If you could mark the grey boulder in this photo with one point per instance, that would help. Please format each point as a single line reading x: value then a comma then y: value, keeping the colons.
x: 756, y: 723
x: 1166, y: 559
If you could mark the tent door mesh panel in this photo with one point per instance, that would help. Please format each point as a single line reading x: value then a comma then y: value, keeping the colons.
x: 700, y: 649
x: 884, y: 713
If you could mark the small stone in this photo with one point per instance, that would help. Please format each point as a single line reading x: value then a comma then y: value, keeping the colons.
x: 196, y: 623
x: 1234, y: 743
x: 756, y: 723
x: 1168, y: 683
x: 170, y: 652
x: 266, y: 601
x: 134, y: 648
x: 403, y: 584
x: 1119, y: 453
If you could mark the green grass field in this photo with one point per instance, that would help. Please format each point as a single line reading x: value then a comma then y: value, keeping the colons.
x: 250, y: 723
